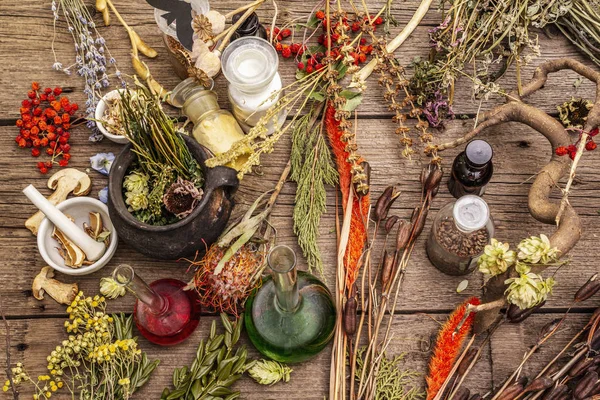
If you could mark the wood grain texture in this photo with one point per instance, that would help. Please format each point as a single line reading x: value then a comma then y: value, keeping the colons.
x: 34, y: 339
x: 26, y: 31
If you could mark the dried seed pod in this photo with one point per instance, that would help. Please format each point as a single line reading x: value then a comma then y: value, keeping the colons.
x: 548, y: 329
x: 580, y: 367
x: 384, y: 202
x: 588, y: 289
x: 595, y: 342
x: 515, y: 315
x: 585, y: 386
x: 541, y: 383
x: 419, y: 224
x: 434, y: 179
x: 513, y: 390
x: 556, y: 393
x: 462, y: 394
x: 390, y: 223
x: 387, y: 265
x: 424, y: 175
x: 350, y: 316
x: 359, y: 187
x: 466, y: 361
x: 404, y: 229
x: 415, y: 214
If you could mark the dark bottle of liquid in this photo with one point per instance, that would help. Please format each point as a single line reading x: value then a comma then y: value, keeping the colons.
x: 472, y: 169
x: 250, y: 27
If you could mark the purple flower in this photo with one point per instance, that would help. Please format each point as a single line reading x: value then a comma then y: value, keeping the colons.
x: 437, y: 111
x: 102, y: 162
x: 103, y: 195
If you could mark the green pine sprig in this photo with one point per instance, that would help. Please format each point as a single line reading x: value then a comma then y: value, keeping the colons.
x: 312, y: 169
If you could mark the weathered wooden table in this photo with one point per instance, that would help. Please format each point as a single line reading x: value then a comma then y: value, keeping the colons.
x: 26, y: 31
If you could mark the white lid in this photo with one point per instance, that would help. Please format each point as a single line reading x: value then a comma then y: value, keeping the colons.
x: 470, y: 213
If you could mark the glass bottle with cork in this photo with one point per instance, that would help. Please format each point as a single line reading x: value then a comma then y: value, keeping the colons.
x: 214, y: 128
x: 472, y: 169
x: 291, y: 317
x: 459, y: 234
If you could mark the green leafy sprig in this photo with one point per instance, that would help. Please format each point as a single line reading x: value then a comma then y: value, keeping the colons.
x: 312, y: 169
x: 217, y: 366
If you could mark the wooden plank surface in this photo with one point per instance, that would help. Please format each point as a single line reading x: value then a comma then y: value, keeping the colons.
x: 25, y: 34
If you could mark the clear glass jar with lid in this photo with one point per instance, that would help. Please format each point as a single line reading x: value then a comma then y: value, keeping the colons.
x: 214, y: 128
x: 250, y: 66
x: 459, y: 234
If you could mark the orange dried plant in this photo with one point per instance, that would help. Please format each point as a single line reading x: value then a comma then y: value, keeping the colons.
x: 360, y: 206
x: 227, y: 291
x: 448, y: 346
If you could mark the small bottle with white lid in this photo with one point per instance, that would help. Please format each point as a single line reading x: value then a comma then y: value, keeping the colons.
x: 459, y: 234
x: 250, y: 66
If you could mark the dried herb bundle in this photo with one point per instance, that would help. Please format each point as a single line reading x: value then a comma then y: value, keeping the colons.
x: 164, y: 183
x: 312, y: 169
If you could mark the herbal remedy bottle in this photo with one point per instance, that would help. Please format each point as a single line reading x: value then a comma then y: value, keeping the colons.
x: 164, y: 312
x: 292, y: 316
x: 472, y: 169
x: 459, y: 234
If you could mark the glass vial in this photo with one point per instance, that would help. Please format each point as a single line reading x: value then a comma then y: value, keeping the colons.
x: 214, y: 128
x: 472, y: 169
x: 250, y: 27
x: 291, y: 317
x: 459, y: 234
x: 250, y: 66
x: 164, y: 313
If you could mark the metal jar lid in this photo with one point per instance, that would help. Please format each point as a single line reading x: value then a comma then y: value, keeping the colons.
x: 470, y: 213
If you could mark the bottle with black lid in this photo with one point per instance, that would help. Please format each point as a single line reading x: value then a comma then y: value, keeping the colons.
x: 250, y: 27
x: 472, y: 169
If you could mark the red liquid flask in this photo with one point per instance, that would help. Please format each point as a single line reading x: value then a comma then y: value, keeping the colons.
x: 164, y: 312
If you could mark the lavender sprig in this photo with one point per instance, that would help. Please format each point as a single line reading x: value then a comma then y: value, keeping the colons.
x: 90, y: 56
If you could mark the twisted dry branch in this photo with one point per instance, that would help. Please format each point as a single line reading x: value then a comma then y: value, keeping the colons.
x: 540, y: 205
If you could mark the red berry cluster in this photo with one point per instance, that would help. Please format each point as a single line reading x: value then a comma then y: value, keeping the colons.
x: 44, y: 124
x: 571, y: 149
x: 310, y: 58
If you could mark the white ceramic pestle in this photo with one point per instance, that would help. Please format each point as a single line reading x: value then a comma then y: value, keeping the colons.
x: 92, y: 249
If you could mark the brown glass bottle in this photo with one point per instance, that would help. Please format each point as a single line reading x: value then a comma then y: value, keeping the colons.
x: 472, y: 170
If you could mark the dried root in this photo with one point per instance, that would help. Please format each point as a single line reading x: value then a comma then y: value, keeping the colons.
x: 541, y: 206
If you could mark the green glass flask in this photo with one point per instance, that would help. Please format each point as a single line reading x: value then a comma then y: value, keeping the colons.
x: 292, y: 316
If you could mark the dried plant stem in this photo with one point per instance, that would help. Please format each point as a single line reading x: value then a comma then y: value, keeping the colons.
x: 372, y: 356
x: 227, y: 33
x: 491, y: 332
x: 440, y: 393
x: 338, y: 359
x: 565, y: 198
x: 367, y: 70
x: 9, y: 375
x: 243, y: 8
x: 527, y: 356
